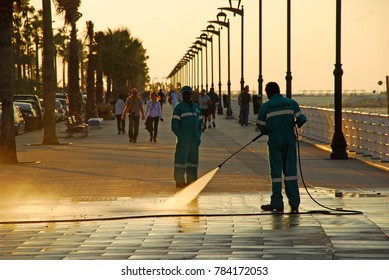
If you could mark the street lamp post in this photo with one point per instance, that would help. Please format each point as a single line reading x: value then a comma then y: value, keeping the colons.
x: 241, y: 13
x: 260, y: 77
x: 288, y: 77
x: 198, y: 65
x: 193, y: 70
x: 224, y: 22
x: 200, y: 46
x: 189, y: 55
x: 211, y: 29
x: 204, y: 37
x: 184, y: 62
x: 193, y: 53
x: 338, y: 143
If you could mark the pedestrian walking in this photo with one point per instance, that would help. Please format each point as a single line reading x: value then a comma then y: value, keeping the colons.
x: 186, y: 125
x: 204, y: 102
x: 277, y: 119
x: 195, y: 96
x: 244, y: 100
x: 162, y: 97
x: 134, y: 109
x: 119, y: 108
x: 153, y: 115
x: 173, y: 97
x: 212, y: 107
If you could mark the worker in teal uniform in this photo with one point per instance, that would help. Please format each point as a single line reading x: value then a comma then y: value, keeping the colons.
x: 277, y: 119
x: 186, y: 125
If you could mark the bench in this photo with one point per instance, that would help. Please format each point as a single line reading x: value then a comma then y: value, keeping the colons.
x: 74, y: 127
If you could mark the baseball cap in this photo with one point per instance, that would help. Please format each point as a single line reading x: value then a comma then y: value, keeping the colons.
x: 186, y: 89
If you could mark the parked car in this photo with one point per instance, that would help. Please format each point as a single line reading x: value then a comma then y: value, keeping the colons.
x: 19, y: 122
x: 29, y: 115
x: 35, y: 102
x: 64, y: 104
x: 61, y: 95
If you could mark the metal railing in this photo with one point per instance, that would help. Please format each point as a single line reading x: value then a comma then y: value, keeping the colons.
x: 365, y: 133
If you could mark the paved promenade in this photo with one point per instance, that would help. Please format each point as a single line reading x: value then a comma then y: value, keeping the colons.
x: 103, y: 198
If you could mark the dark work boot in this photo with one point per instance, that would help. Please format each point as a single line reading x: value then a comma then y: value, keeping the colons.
x: 272, y: 208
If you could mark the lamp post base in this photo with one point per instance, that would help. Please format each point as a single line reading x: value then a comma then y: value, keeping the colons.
x: 339, y: 146
x: 229, y: 114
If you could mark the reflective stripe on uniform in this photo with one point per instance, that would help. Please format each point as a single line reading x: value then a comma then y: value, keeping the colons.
x: 180, y: 165
x: 298, y: 114
x: 279, y: 113
x: 276, y: 180
x: 188, y: 114
x: 261, y: 122
x: 290, y: 178
x: 176, y: 117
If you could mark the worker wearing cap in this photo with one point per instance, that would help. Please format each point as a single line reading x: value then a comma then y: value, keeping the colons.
x: 186, y: 125
x: 277, y: 118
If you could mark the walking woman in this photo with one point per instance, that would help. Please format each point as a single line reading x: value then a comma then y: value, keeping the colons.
x: 154, y: 114
x: 119, y: 108
x: 134, y: 108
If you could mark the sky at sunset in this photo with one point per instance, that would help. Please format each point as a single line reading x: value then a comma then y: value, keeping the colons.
x: 168, y: 28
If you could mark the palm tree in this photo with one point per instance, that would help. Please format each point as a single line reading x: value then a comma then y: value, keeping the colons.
x: 7, y: 138
x: 49, y: 83
x: 70, y: 8
x: 27, y: 31
x: 90, y: 110
x: 17, y: 27
x: 124, y: 61
x: 99, y: 38
x: 37, y: 25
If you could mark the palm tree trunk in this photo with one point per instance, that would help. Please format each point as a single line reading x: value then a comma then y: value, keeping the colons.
x: 73, y: 76
x: 99, y: 37
x: 90, y: 107
x: 50, y: 134
x: 7, y: 138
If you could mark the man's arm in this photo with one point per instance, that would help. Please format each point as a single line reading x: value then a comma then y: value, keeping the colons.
x: 300, y: 117
x: 261, y: 120
x: 176, y: 120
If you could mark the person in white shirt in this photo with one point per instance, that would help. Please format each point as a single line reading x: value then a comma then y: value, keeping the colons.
x: 173, y: 98
x: 154, y: 114
x: 204, y: 102
x: 119, y: 108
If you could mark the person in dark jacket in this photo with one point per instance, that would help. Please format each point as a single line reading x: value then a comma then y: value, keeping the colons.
x: 277, y: 119
x: 186, y: 125
x: 244, y: 100
x: 212, y: 107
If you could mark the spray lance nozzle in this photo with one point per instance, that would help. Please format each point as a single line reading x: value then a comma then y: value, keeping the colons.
x: 253, y: 140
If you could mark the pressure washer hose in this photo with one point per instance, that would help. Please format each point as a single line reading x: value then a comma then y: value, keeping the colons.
x: 253, y: 140
x: 340, y: 210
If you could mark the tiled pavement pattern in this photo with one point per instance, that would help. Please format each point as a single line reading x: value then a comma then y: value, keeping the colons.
x: 103, y: 197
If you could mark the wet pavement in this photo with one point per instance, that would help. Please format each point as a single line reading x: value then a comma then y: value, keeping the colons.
x: 102, y: 197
